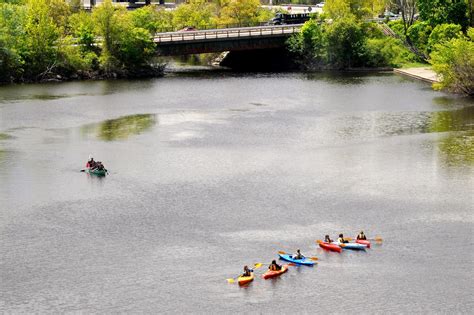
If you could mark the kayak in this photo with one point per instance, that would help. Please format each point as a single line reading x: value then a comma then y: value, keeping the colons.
x: 364, y: 242
x: 96, y: 172
x: 331, y: 247
x: 245, y: 280
x: 305, y: 261
x: 353, y: 246
x: 272, y: 274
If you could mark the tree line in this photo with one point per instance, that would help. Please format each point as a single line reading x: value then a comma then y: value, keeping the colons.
x: 56, y: 40
x: 438, y: 32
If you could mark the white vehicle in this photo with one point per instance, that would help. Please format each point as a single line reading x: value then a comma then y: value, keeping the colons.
x: 320, y: 5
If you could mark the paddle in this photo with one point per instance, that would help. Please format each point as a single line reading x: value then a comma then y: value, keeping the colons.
x: 310, y: 258
x: 376, y: 239
x: 261, y: 264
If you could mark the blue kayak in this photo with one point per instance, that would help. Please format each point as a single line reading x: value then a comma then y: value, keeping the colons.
x: 353, y: 246
x: 304, y: 261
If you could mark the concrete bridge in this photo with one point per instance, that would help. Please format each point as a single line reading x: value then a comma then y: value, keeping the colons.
x: 228, y: 39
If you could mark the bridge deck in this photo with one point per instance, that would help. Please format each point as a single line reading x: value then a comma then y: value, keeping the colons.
x: 228, y: 33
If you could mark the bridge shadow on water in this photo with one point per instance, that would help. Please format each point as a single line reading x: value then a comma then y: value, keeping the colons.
x: 260, y: 60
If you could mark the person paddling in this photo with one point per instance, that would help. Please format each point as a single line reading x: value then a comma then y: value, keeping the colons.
x: 341, y: 239
x: 274, y: 266
x: 91, y: 164
x: 361, y: 236
x: 247, y: 272
x: 327, y: 239
x: 298, y: 255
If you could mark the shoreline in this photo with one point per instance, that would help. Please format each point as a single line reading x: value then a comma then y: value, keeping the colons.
x: 423, y: 74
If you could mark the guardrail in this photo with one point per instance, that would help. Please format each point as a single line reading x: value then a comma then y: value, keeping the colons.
x: 227, y: 33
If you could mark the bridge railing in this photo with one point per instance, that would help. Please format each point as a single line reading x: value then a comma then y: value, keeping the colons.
x: 214, y: 26
x: 227, y: 33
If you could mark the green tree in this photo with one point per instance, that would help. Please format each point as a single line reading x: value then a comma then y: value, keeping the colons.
x: 12, y: 41
x: 42, y: 34
x: 107, y: 25
x: 136, y: 48
x: 418, y: 35
x: 386, y: 52
x: 454, y: 63
x: 337, y: 9
x: 442, y: 33
x: 242, y: 12
x: 75, y: 5
x: 146, y: 17
x: 444, y: 11
x: 408, y: 9
x: 125, y: 47
x: 345, y: 40
x: 83, y: 29
x: 310, y: 45
x: 195, y: 13
x: 361, y: 9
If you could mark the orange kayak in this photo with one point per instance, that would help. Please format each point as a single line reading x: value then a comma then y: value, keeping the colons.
x: 272, y: 273
x: 245, y: 280
x: 330, y: 247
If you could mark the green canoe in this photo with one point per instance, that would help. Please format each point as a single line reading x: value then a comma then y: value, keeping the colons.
x: 97, y: 172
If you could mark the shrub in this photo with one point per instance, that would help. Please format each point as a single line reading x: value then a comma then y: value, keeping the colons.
x: 454, y: 63
x: 418, y: 34
x: 442, y: 33
x: 345, y: 42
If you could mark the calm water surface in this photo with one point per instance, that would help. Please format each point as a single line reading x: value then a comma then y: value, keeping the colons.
x: 210, y: 171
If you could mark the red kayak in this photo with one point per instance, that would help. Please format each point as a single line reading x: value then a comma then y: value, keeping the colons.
x: 272, y: 274
x: 330, y: 247
x: 365, y: 242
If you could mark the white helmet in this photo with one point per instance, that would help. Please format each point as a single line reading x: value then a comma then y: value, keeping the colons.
x: 90, y: 157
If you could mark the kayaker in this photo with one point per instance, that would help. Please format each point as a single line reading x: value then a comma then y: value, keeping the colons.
x: 274, y: 266
x: 361, y: 236
x: 327, y: 239
x: 99, y: 166
x: 298, y: 255
x: 341, y: 239
x: 91, y: 164
x: 247, y: 272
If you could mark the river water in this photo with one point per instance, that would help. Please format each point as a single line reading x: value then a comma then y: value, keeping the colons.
x: 210, y: 171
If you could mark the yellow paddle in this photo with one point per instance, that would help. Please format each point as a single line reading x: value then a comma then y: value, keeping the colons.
x: 311, y: 258
x: 261, y: 264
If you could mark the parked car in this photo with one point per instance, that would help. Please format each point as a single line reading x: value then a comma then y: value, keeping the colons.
x: 188, y: 29
x: 389, y: 15
x: 320, y: 5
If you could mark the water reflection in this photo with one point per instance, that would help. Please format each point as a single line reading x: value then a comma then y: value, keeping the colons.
x: 346, y: 78
x: 55, y: 91
x: 121, y: 128
x: 455, y: 120
x: 449, y: 101
x: 4, y: 136
x: 456, y: 147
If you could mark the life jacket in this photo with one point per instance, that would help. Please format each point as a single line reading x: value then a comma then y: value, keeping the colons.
x: 361, y: 237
